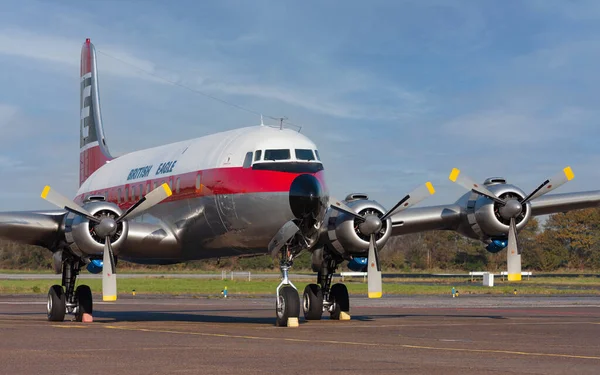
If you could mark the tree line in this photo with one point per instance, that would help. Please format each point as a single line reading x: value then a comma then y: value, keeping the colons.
x: 566, y: 241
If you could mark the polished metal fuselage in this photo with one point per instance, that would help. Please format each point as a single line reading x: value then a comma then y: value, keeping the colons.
x: 207, y: 227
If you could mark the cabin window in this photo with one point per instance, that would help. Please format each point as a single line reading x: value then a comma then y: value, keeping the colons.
x: 302, y: 154
x: 133, y: 193
x: 141, y: 191
x: 126, y: 195
x: 154, y: 185
x: 119, y: 195
x: 198, y: 178
x: 317, y: 154
x: 257, y: 155
x: 277, y: 154
x: 147, y: 187
x: 177, y: 186
x: 171, y: 185
x: 248, y: 160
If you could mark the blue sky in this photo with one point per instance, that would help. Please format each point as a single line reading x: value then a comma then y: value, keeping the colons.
x: 393, y: 93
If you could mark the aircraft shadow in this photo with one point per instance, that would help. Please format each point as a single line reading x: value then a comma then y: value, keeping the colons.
x: 204, y: 316
x: 198, y: 316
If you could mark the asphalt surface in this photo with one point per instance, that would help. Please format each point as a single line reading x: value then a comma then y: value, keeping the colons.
x: 393, y: 335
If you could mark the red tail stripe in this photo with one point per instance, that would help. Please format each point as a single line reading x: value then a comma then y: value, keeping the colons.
x: 86, y: 58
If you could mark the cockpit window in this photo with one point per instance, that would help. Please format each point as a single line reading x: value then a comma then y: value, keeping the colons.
x: 304, y: 155
x: 248, y: 160
x: 257, y: 155
x: 277, y: 155
x: 317, y: 153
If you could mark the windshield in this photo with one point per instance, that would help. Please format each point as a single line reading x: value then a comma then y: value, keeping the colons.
x: 305, y: 155
x: 277, y: 154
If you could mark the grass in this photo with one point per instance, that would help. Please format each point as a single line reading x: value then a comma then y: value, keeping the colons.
x: 165, y: 285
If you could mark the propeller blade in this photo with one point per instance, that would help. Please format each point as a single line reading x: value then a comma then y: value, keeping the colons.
x: 513, y: 253
x: 109, y: 277
x: 374, y: 270
x: 151, y: 199
x: 341, y: 206
x: 411, y: 199
x: 63, y: 202
x: 466, y: 182
x: 547, y: 186
x: 287, y: 231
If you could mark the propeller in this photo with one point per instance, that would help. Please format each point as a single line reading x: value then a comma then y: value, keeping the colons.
x: 510, y: 208
x: 371, y: 224
x: 106, y: 227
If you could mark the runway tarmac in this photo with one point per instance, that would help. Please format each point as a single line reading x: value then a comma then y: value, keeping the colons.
x: 393, y: 335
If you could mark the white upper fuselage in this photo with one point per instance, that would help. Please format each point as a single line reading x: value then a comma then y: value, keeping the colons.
x: 221, y: 150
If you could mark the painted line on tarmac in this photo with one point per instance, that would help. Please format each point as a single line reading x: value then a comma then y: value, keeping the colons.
x: 357, y: 343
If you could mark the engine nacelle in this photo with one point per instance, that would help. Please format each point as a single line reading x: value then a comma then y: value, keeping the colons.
x: 80, y: 235
x: 482, y: 219
x: 343, y: 233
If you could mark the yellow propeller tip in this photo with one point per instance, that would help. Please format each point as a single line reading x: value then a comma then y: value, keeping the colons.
x: 454, y: 174
x: 45, y: 191
x: 167, y: 189
x: 569, y: 173
x: 430, y: 188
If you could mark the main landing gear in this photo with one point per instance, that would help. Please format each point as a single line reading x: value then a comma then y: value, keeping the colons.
x: 317, y: 298
x: 323, y: 297
x: 65, y: 299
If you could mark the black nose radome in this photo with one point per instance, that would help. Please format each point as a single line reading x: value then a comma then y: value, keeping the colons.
x: 306, y: 197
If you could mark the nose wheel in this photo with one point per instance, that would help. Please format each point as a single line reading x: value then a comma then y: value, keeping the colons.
x: 288, y: 305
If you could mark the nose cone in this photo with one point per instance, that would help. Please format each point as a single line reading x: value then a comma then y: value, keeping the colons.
x: 306, y: 197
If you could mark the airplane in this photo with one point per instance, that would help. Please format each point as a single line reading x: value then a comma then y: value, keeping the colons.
x: 244, y: 192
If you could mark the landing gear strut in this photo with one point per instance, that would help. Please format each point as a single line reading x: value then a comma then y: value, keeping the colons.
x: 65, y: 299
x: 288, y: 303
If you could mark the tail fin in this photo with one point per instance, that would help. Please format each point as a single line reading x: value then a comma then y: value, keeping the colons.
x: 93, y: 152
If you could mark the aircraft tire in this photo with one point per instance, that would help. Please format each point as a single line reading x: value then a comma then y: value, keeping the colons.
x: 288, y: 305
x: 312, y: 302
x: 57, y: 304
x: 83, y: 295
x: 341, y: 300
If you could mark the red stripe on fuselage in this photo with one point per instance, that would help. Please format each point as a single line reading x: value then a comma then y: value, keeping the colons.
x: 218, y: 181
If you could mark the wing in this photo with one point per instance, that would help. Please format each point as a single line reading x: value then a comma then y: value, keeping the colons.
x: 41, y: 228
x: 550, y: 204
x: 422, y: 219
x: 460, y: 216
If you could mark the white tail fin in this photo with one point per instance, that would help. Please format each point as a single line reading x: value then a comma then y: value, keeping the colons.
x: 93, y: 152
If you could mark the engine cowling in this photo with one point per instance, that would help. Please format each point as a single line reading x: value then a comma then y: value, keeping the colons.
x: 482, y: 219
x: 80, y: 234
x: 343, y: 233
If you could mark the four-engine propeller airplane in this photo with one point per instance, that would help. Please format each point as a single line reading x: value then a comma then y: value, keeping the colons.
x: 242, y: 192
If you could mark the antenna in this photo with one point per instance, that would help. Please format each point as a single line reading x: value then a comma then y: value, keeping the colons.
x: 281, y: 120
